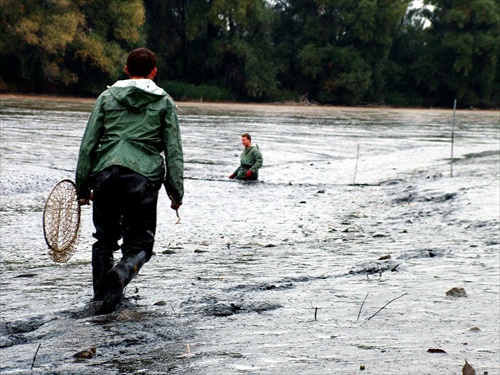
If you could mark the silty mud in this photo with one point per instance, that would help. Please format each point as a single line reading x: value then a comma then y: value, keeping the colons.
x: 355, y: 208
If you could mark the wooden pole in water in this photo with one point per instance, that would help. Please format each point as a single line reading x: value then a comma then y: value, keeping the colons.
x: 453, y: 137
x: 383, y: 307
x: 34, y: 358
x: 361, y: 308
x: 356, y: 168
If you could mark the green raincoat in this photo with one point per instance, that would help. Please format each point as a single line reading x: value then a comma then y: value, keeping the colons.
x: 251, y: 160
x: 133, y: 122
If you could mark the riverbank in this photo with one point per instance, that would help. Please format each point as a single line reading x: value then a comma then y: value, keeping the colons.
x: 245, y: 106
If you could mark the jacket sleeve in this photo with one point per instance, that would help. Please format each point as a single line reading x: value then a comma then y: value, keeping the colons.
x: 88, y: 147
x: 174, y: 158
x: 258, y: 160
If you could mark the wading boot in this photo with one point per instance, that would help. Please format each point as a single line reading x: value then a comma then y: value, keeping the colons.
x: 119, y: 277
x: 102, y: 262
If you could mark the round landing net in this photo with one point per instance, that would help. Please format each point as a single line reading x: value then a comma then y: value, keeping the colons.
x: 61, y: 221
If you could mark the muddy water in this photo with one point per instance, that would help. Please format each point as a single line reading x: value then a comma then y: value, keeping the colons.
x: 279, y: 276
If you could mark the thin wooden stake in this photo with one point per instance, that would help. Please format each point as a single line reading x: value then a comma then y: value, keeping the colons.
x: 361, y: 308
x: 172, y: 307
x: 315, y: 312
x: 383, y: 307
x: 356, y: 168
x: 453, y: 137
x: 34, y: 358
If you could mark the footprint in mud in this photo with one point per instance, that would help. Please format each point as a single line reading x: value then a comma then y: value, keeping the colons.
x: 263, y: 286
x: 423, y: 253
x: 386, y: 264
x: 415, y: 197
x: 375, y: 267
x: 227, y: 309
x: 14, y: 333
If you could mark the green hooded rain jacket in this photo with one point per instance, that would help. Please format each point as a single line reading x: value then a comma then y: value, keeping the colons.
x: 133, y: 122
x: 251, y: 160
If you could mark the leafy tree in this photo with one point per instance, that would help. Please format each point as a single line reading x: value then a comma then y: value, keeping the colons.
x: 240, y: 54
x: 460, y: 59
x: 177, y: 32
x: 223, y: 42
x: 37, y: 35
x: 61, y: 41
x: 342, y: 45
x: 403, y: 88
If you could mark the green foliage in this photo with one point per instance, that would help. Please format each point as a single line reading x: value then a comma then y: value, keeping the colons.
x: 187, y: 91
x: 112, y: 28
x: 53, y: 41
x: 350, y: 82
x: 38, y: 36
x: 461, y: 57
x: 347, y: 44
x: 241, y: 56
x: 330, y: 51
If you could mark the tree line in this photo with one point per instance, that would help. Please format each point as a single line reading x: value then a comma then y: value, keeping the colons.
x: 339, y: 52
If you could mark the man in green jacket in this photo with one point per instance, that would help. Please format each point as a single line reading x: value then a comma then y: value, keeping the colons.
x: 251, y: 160
x: 121, y: 169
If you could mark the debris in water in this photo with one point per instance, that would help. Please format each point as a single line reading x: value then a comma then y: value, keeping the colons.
x: 433, y: 350
x: 468, y: 369
x: 86, y: 354
x: 187, y: 353
x: 456, y: 292
x: 128, y: 315
x: 374, y: 267
x: 26, y: 275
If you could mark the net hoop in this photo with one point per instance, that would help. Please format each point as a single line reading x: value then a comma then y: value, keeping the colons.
x: 61, y: 221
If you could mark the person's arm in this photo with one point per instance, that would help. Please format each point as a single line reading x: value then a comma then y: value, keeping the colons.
x: 258, y: 160
x: 235, y: 173
x: 88, y: 147
x: 174, y: 157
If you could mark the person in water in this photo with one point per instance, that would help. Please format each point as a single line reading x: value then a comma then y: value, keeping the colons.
x: 251, y: 160
x: 121, y: 169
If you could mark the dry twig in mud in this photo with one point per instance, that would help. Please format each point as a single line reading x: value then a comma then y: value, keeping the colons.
x: 176, y: 211
x: 383, y: 307
x: 34, y: 358
x: 362, y: 306
x: 315, y: 312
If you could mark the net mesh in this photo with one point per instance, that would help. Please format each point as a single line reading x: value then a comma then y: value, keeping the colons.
x: 61, y: 221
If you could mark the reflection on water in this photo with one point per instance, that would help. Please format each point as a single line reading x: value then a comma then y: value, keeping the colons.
x: 267, y: 277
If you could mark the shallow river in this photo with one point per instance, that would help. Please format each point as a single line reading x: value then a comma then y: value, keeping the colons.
x: 281, y: 276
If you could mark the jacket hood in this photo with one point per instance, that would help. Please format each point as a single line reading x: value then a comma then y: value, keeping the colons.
x: 135, y: 94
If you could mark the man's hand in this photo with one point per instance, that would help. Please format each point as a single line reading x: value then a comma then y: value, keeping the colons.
x: 85, y: 201
x: 232, y: 176
x: 174, y: 205
x: 249, y: 174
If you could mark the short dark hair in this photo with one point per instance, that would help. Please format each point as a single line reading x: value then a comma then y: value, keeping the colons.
x: 247, y: 136
x: 140, y: 62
